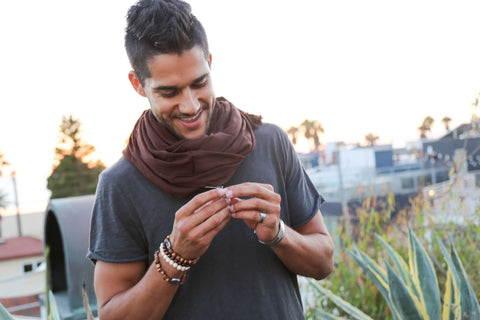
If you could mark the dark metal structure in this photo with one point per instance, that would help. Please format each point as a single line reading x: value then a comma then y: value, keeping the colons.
x: 67, y: 223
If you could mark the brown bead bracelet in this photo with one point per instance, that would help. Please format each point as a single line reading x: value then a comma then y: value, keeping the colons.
x: 174, y: 281
x: 168, y: 250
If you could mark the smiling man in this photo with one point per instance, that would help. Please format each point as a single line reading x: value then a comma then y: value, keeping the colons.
x: 209, y: 213
x: 180, y: 91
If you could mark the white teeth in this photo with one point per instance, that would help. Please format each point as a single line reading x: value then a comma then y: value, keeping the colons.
x: 191, y: 118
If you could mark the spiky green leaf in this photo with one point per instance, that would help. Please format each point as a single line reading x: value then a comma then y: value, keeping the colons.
x: 53, y: 313
x: 451, y: 300
x: 377, y: 274
x: 404, y: 300
x: 456, y: 277
x: 326, y: 316
x: 400, y: 264
x: 342, y: 304
x: 424, y: 277
x: 469, y: 302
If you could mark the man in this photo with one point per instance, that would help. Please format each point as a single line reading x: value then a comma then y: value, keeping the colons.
x: 209, y: 214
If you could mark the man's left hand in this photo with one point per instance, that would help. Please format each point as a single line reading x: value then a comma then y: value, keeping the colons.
x: 260, y: 210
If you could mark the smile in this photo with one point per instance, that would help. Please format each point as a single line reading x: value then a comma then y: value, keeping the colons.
x: 192, y: 118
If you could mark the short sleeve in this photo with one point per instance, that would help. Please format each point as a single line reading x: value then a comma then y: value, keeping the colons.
x: 116, y: 233
x: 303, y: 199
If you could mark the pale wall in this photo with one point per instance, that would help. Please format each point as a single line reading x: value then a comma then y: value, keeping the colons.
x: 32, y: 225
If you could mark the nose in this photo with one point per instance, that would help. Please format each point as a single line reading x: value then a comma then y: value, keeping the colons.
x: 189, y: 103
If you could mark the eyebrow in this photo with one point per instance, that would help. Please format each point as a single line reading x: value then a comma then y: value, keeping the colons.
x: 167, y: 88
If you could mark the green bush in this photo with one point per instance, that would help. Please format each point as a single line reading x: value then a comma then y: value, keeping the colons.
x: 411, y: 288
x: 350, y: 282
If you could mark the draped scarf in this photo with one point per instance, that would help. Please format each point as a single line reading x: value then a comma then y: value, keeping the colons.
x: 182, y: 167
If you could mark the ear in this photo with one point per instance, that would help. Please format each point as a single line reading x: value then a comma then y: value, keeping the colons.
x: 137, y: 86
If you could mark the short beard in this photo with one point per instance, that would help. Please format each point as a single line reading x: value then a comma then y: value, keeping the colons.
x: 181, y: 137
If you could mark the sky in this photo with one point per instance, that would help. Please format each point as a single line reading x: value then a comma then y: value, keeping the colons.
x: 355, y: 66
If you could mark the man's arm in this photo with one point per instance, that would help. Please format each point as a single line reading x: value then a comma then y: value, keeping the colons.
x: 136, y: 291
x: 125, y: 291
x: 307, y: 251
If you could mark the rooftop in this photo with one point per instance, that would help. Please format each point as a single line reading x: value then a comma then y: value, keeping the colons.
x: 20, y: 247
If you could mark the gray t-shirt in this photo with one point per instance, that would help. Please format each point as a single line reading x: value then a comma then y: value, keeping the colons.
x: 237, y: 277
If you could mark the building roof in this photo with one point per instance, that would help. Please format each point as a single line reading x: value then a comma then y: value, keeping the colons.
x: 20, y: 247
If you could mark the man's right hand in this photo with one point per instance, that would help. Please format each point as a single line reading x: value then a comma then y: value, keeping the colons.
x: 198, y: 222
x: 130, y: 291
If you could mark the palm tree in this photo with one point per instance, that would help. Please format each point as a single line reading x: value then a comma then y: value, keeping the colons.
x: 423, y: 131
x: 312, y: 131
x: 446, y: 122
x: 293, y: 131
x: 371, y: 138
x: 426, y: 126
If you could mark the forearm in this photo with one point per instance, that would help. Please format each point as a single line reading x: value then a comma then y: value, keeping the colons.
x: 309, y: 255
x: 150, y: 298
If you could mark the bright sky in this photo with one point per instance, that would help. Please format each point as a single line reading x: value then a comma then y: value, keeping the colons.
x: 356, y: 66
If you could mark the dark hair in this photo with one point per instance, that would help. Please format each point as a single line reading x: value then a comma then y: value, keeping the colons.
x: 161, y: 26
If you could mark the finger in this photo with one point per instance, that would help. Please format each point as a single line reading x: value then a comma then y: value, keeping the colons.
x: 205, y: 231
x: 254, y: 216
x: 189, y: 234
x: 215, y: 224
x: 199, y: 201
x: 247, y: 189
x: 202, y: 214
x: 257, y: 205
x: 211, y: 211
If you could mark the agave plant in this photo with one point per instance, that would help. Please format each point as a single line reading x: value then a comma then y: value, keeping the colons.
x: 411, y: 289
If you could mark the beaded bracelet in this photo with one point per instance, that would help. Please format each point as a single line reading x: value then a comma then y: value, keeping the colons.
x: 166, y: 248
x: 171, y: 262
x: 174, y: 281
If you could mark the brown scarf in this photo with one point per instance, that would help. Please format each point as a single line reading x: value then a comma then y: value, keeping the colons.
x: 183, y: 166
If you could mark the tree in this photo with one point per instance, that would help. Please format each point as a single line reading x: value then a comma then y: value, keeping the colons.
x: 371, y: 138
x: 426, y: 126
x: 74, y: 173
x: 312, y: 130
x: 293, y: 131
x: 446, y: 122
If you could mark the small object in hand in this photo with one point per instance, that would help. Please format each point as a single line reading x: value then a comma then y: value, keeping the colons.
x: 217, y: 187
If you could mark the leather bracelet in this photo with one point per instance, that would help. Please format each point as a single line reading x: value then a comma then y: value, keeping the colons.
x: 278, y: 238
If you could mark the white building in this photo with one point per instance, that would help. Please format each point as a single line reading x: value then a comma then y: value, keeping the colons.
x: 22, y: 274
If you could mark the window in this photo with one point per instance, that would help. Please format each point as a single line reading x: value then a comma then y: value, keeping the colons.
x: 31, y: 266
x: 407, y: 183
x: 27, y: 267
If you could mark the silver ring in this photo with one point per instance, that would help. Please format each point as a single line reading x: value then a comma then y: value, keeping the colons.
x: 262, y: 217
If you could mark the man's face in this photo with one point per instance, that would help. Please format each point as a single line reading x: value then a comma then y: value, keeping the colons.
x: 180, y: 91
